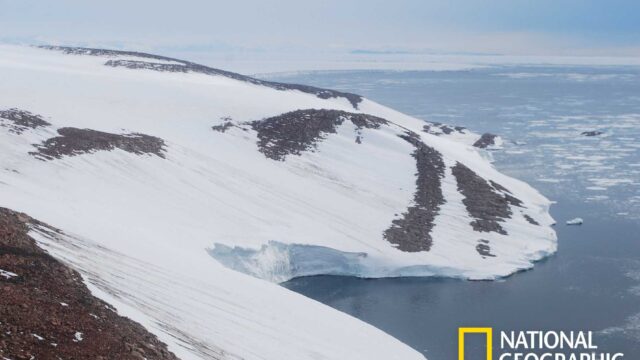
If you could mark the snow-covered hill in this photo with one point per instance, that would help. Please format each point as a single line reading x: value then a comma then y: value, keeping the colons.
x: 185, y: 192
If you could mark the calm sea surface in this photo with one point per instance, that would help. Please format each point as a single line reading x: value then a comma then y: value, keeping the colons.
x: 593, y: 282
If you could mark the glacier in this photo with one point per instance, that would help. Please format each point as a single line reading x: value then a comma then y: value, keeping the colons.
x: 185, y: 194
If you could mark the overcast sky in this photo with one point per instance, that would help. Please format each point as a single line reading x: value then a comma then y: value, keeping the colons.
x: 514, y: 27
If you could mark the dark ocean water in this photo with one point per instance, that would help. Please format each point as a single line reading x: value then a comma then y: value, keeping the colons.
x: 593, y: 282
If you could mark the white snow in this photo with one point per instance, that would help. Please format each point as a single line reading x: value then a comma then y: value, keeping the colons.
x: 77, y: 337
x: 145, y: 232
x: 576, y: 221
x: 7, y: 274
x: 498, y: 144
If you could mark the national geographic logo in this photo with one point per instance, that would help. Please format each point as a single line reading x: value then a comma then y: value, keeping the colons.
x: 475, y: 330
x: 538, y: 345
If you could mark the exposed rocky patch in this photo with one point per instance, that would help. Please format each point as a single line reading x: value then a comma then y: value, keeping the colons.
x: 531, y: 220
x: 499, y: 187
x: 364, y: 121
x: 18, y: 121
x: 223, y: 127
x: 507, y: 194
x: 446, y: 130
x: 591, y: 133
x: 187, y: 66
x: 486, y: 140
x: 295, y: 132
x: 103, y: 52
x: 133, y: 64
x: 483, y: 201
x: 513, y: 200
x: 412, y: 232
x: 46, y: 311
x: 436, y: 128
x: 73, y: 141
x: 226, y: 124
x: 484, y: 249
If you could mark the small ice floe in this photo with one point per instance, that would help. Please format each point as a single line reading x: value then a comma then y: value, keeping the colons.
x: 7, y: 274
x: 77, y: 336
x: 549, y: 180
x: 576, y: 221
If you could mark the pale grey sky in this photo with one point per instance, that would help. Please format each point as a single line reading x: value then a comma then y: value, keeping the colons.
x: 259, y: 28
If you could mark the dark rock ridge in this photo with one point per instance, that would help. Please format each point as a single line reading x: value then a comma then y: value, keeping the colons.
x: 187, y: 66
x: 484, y: 249
x: 298, y: 131
x: 488, y: 204
x: 486, y: 140
x: 412, y: 232
x: 46, y: 311
x: 134, y: 64
x: 446, y: 130
x: 295, y: 132
x: 499, y: 187
x: 591, y: 133
x: 531, y: 220
x: 507, y: 194
x: 21, y: 120
x: 73, y: 141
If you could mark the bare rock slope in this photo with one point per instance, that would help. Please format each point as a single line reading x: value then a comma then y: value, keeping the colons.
x: 47, y: 312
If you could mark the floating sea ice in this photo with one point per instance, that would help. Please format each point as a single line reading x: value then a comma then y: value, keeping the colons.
x: 576, y: 221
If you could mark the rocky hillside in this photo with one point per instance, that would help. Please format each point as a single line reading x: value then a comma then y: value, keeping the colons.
x: 47, y: 312
x: 185, y: 193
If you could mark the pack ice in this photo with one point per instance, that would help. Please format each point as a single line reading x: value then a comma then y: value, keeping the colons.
x: 185, y: 194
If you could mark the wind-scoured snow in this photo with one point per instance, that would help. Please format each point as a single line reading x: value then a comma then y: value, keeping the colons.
x: 174, y: 211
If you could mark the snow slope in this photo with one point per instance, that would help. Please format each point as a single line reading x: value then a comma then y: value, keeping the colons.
x: 170, y: 236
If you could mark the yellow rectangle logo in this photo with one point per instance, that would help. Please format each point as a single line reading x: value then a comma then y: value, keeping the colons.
x: 475, y: 330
